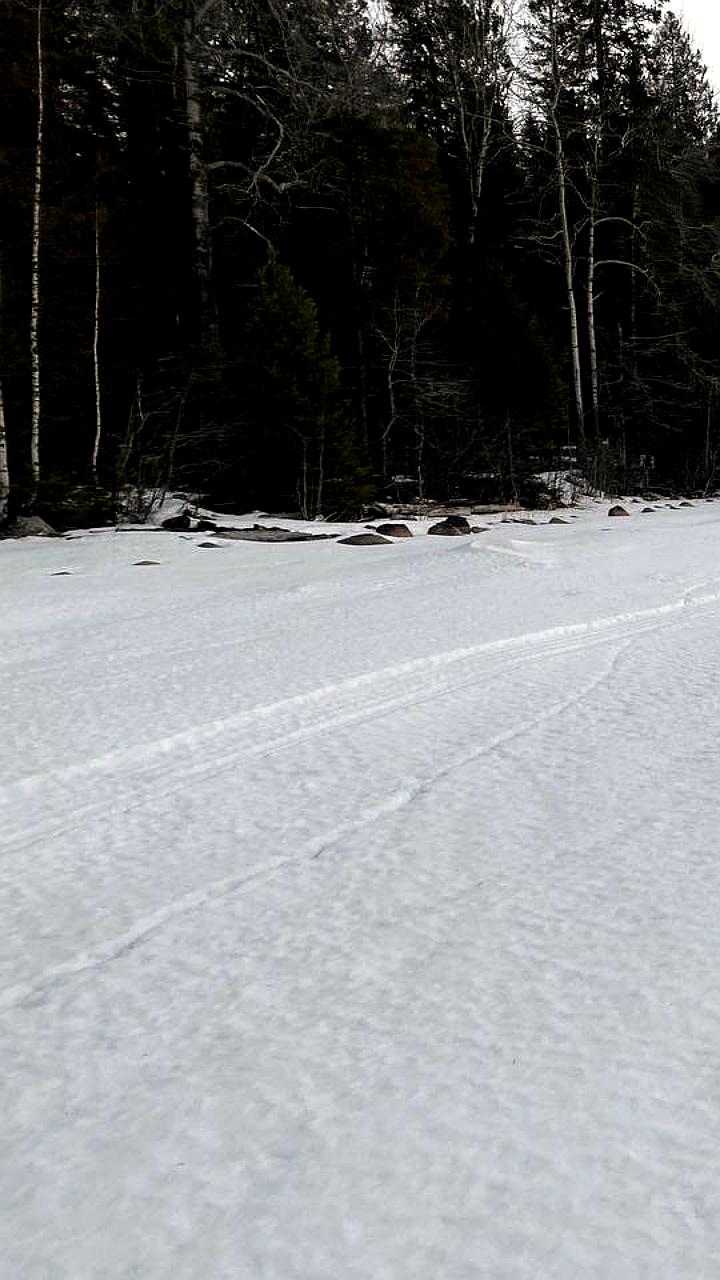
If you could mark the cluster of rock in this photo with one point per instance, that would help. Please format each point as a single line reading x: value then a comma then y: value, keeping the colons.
x: 450, y: 526
x: 256, y: 533
x: 620, y: 511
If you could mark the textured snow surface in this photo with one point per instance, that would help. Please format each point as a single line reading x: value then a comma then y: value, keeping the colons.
x: 360, y: 906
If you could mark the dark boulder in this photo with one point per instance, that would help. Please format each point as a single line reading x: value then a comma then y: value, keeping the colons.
x: 30, y: 527
x: 364, y: 540
x: 177, y: 522
x: 260, y: 533
x: 451, y: 527
x: 618, y: 511
x: 394, y: 530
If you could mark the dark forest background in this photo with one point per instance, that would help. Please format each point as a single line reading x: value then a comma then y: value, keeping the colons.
x: 300, y: 255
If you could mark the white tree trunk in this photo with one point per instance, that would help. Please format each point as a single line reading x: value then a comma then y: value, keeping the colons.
x: 483, y: 40
x: 553, y: 69
x: 636, y: 249
x: 568, y: 266
x: 96, y: 348
x: 319, y: 494
x: 35, y: 257
x: 200, y: 204
x: 393, y: 342
x: 4, y: 469
x: 592, y: 331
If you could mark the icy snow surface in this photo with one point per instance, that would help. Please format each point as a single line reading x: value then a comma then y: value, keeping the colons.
x: 360, y: 905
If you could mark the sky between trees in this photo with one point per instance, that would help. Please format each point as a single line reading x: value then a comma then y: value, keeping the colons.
x: 702, y: 19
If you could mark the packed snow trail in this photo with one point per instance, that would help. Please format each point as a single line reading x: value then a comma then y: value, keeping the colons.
x: 360, y: 907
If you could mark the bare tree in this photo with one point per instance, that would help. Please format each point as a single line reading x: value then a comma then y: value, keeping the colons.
x: 398, y: 329
x: 555, y: 77
x: 456, y: 56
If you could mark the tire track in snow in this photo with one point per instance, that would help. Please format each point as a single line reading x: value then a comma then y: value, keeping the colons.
x: 227, y: 757
x: 115, y: 948
x: 35, y: 990
x: 599, y: 628
x: 137, y: 762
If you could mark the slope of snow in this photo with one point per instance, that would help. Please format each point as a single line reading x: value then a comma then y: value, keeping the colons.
x: 360, y: 905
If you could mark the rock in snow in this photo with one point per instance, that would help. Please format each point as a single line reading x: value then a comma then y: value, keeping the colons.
x: 394, y: 530
x: 30, y: 527
x: 260, y: 533
x: 451, y: 527
x: 364, y: 540
x: 177, y: 522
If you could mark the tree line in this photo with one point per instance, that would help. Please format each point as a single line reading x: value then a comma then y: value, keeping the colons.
x: 303, y: 254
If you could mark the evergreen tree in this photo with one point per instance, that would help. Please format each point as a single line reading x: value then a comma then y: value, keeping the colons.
x: 293, y: 448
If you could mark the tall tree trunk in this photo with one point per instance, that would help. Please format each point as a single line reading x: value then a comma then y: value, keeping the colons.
x: 200, y: 204
x: 418, y: 414
x: 592, y: 331
x: 4, y: 466
x: 319, y: 494
x: 393, y: 342
x: 568, y: 268
x: 636, y: 243
x: 96, y: 347
x: 556, y: 71
x: 35, y: 258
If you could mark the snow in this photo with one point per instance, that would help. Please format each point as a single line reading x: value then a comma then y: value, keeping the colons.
x: 360, y: 905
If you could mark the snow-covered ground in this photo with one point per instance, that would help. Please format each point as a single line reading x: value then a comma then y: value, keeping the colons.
x: 360, y: 905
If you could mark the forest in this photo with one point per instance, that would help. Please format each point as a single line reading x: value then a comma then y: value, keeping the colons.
x: 308, y: 255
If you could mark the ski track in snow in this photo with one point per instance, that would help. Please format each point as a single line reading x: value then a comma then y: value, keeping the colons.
x: 115, y: 948
x: 144, y: 769
x: 620, y: 630
x: 539, y: 645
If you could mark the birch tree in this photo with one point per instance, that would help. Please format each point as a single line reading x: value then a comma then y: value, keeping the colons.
x: 4, y: 462
x: 4, y: 467
x: 197, y: 35
x: 455, y: 56
x: 37, y: 202
x: 97, y: 384
x: 584, y: 54
x: 552, y: 79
